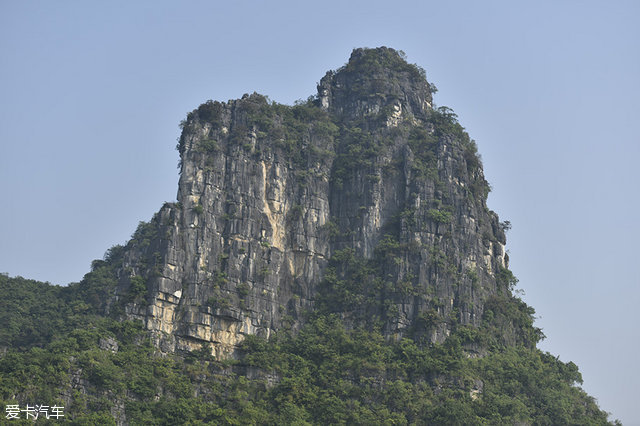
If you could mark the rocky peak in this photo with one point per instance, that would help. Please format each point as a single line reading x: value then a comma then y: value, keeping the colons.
x: 366, y: 203
x: 374, y: 82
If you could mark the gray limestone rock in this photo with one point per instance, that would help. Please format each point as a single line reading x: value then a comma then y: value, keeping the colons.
x: 269, y: 193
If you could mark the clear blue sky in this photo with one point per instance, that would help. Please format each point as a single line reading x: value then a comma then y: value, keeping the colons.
x: 91, y: 95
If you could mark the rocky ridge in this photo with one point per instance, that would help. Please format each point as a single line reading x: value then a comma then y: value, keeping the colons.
x: 365, y: 200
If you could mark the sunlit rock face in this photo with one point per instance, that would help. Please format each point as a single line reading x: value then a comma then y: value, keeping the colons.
x: 271, y: 195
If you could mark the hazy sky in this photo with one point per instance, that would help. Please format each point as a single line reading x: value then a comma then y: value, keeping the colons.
x: 91, y: 95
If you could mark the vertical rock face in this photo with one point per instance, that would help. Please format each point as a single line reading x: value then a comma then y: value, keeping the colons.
x: 364, y: 201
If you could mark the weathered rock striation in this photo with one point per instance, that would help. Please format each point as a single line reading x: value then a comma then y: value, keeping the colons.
x: 283, y: 210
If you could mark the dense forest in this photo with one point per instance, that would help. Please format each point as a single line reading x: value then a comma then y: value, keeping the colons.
x: 57, y: 351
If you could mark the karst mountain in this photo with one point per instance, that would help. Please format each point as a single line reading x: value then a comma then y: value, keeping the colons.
x: 330, y: 262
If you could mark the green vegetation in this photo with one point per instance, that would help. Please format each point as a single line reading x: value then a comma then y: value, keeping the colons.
x: 243, y: 290
x: 138, y: 286
x: 378, y: 62
x: 439, y: 216
x: 330, y: 375
x: 357, y: 153
x: 208, y: 146
x: 446, y: 126
x: 303, y: 132
x: 424, y: 146
x: 198, y: 209
x: 325, y: 374
x: 210, y: 112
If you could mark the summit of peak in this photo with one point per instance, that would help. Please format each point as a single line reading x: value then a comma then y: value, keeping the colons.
x: 375, y: 78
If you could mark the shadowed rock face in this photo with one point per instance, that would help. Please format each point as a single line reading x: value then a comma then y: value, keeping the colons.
x: 272, y: 199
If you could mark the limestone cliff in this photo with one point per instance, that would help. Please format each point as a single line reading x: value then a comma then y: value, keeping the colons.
x: 365, y: 200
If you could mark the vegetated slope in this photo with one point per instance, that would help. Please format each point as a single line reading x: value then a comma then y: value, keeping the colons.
x: 328, y: 262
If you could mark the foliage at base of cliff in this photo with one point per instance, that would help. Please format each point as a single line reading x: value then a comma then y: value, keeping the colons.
x: 100, y: 369
x: 335, y: 376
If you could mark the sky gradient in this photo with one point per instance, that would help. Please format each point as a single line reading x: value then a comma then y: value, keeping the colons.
x: 92, y: 94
